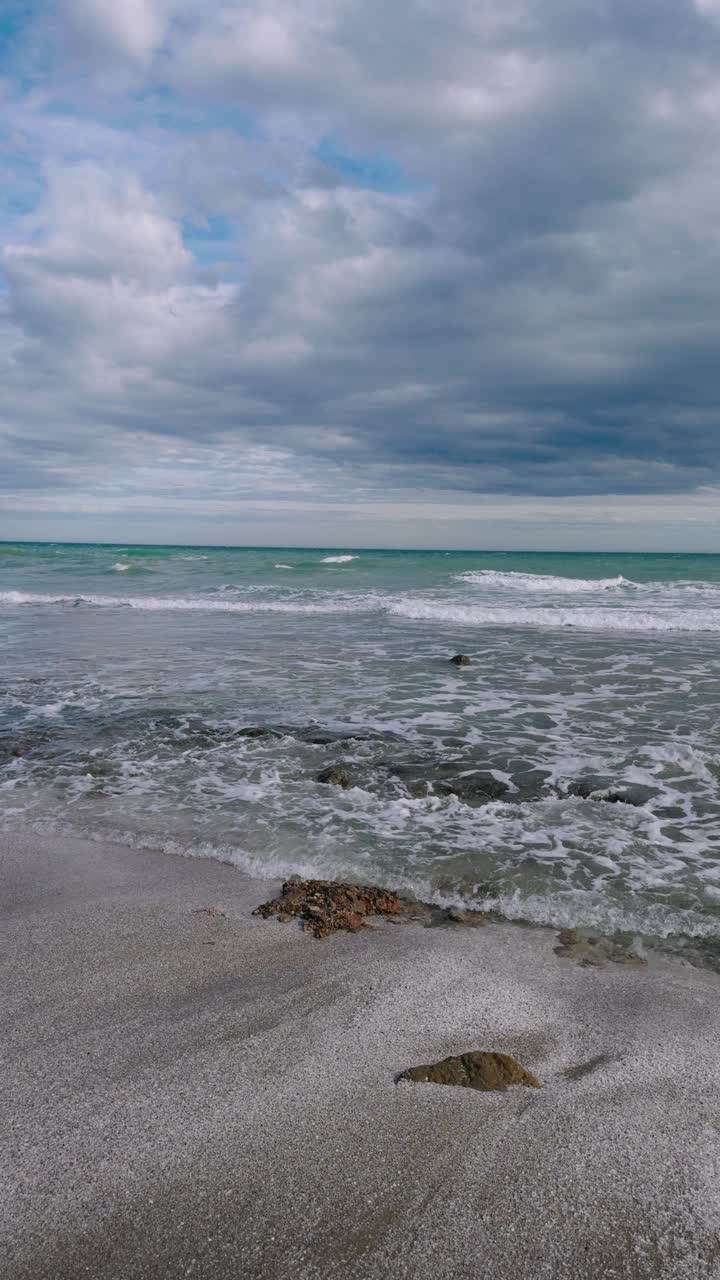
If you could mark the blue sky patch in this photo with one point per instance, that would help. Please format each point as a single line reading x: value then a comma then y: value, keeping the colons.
x: 374, y: 171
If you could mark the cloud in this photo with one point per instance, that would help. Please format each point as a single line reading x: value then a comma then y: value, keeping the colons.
x: 407, y: 248
x: 102, y: 32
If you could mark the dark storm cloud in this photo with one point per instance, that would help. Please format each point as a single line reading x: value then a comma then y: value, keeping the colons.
x: 529, y: 308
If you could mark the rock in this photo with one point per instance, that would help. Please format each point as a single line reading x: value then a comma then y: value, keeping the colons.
x: 636, y: 795
x: 532, y: 784
x: 335, y: 777
x: 476, y: 1070
x: 593, y: 952
x: 457, y: 916
x: 600, y: 789
x: 474, y: 788
x: 540, y: 720
x: 328, y: 906
x: 586, y: 787
x: 461, y: 660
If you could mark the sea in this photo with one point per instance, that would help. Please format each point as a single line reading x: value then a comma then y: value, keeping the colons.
x: 189, y: 698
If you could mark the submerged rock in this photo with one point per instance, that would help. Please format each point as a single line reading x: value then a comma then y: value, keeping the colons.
x: 475, y: 1070
x: 335, y: 777
x: 328, y: 906
x: 461, y: 660
x: 589, y: 950
x: 474, y: 788
x: 600, y: 789
x: 636, y: 795
x: 586, y: 787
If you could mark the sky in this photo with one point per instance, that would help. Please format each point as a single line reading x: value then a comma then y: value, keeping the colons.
x: 436, y: 273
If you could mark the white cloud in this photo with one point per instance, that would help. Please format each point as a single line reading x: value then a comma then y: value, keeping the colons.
x: 529, y: 308
x: 124, y: 28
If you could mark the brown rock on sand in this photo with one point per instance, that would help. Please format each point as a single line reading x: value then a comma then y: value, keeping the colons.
x: 476, y: 1070
x: 327, y: 906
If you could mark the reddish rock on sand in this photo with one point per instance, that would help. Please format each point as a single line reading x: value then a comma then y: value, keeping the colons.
x: 326, y: 906
x: 477, y: 1070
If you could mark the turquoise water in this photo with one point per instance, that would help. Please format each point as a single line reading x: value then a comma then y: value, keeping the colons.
x: 188, y: 698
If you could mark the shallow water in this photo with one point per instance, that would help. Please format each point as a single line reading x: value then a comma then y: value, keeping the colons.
x: 570, y: 775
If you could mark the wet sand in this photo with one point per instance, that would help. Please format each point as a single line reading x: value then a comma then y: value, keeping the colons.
x: 205, y: 1095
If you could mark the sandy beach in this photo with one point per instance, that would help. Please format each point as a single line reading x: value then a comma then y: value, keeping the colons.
x: 194, y: 1094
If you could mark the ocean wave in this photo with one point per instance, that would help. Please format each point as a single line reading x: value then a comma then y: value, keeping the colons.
x: 157, y: 604
x: 589, y: 619
x: 515, y: 581
x: 134, y: 567
x: 338, y: 559
x: 415, y: 609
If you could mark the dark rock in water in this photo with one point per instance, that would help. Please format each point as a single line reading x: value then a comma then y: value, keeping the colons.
x: 532, y: 784
x: 476, y: 1070
x: 257, y: 731
x: 461, y: 660
x: 636, y: 795
x: 601, y: 789
x: 445, y: 778
x: 327, y: 906
x: 474, y: 788
x: 584, y: 788
x: 540, y: 720
x: 335, y: 777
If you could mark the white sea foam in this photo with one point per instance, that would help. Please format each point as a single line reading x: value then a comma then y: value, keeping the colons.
x: 417, y: 609
x: 337, y: 559
x: 589, y: 619
x: 513, y: 581
x: 119, y: 567
x: 157, y: 604
x: 282, y: 566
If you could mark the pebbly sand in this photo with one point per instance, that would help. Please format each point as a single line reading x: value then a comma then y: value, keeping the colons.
x: 186, y: 1094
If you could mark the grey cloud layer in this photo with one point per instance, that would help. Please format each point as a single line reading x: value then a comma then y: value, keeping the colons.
x: 535, y: 313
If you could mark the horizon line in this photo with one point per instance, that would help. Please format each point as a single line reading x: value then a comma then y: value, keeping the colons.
x: 459, y: 551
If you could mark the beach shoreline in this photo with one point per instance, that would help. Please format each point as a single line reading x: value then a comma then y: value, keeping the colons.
x: 191, y: 1090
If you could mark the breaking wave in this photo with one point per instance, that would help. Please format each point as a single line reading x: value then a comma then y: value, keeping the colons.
x: 515, y: 581
x: 172, y: 604
x: 589, y: 619
x: 415, y: 609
